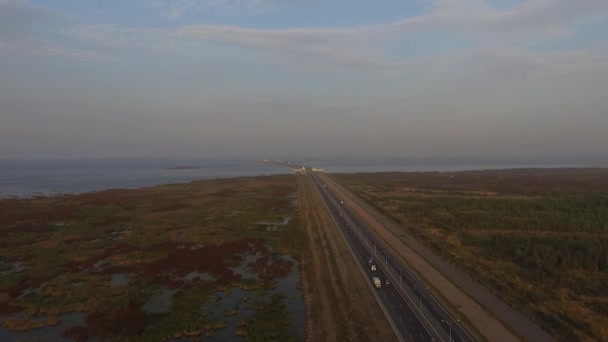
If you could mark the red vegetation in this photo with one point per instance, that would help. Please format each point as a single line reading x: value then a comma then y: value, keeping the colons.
x: 24, y: 284
x: 106, y: 197
x: 75, y: 240
x: 35, y: 217
x: 225, y: 193
x: 282, y: 190
x: 127, y: 321
x: 7, y: 308
x: 15, y: 291
x: 277, y: 205
x: 271, y: 266
x: 77, y: 266
x: 209, y: 259
x: 110, y: 220
x: 169, y: 207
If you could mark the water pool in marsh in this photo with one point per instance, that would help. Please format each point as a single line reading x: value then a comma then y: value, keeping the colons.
x: 236, y: 306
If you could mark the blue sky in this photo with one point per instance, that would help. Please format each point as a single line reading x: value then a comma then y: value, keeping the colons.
x: 149, y: 78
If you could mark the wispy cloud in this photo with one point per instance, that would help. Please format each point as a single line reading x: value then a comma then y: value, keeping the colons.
x: 174, y: 9
x: 463, y: 75
x: 524, y: 24
x: 35, y: 30
x: 344, y: 47
x: 19, y: 18
x: 528, y: 18
x: 37, y: 47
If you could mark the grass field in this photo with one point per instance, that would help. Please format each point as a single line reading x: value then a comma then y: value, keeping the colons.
x: 536, y: 237
x: 208, y: 258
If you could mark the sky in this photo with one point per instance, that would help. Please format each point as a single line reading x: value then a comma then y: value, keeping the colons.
x: 257, y: 78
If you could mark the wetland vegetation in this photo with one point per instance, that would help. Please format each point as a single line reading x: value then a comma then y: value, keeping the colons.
x: 217, y: 259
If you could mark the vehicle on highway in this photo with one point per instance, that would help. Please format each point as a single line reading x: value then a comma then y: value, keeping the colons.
x: 373, y: 267
x: 377, y: 282
x: 387, y: 281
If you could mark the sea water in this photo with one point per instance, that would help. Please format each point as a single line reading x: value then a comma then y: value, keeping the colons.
x: 23, y: 178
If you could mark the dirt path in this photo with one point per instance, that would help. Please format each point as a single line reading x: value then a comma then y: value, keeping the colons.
x: 340, y: 306
x: 488, y: 325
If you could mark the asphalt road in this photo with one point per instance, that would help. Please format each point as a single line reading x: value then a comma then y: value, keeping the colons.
x: 415, y: 312
x: 523, y: 327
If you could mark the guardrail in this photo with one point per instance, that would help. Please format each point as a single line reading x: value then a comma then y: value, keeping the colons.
x: 438, y: 319
x: 360, y: 265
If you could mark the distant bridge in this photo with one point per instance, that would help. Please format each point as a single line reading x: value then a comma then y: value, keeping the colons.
x: 288, y: 163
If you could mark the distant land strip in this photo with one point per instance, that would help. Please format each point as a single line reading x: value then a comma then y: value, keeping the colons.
x: 183, y: 168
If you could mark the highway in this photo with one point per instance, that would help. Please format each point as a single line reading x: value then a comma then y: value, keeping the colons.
x: 415, y: 312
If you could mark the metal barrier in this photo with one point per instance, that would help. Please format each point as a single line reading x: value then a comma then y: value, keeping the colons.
x: 433, y: 314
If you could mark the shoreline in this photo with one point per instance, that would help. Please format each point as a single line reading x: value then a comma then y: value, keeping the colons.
x: 57, y: 193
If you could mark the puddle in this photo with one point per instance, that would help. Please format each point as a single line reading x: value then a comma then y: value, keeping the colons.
x: 160, y: 302
x: 97, y: 266
x: 15, y: 267
x: 244, y: 268
x: 28, y: 291
x: 121, y: 232
x: 263, y: 266
x: 286, y: 287
x: 295, y: 200
x: 45, y: 333
x: 119, y: 279
x: 274, y: 226
x: 118, y: 235
x: 229, y: 307
x: 197, y: 276
x: 232, y: 308
x: 293, y: 298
